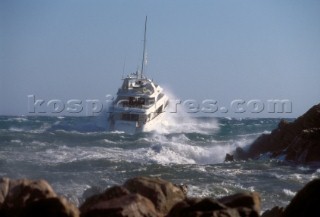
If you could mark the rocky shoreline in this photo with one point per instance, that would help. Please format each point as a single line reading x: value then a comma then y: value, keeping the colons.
x: 145, y: 197
x: 297, y: 142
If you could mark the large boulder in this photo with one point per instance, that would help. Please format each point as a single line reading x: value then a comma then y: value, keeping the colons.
x: 305, y: 147
x: 299, y: 141
x: 23, y: 197
x: 274, y: 212
x: 306, y: 202
x: 190, y: 207
x: 209, y: 207
x: 51, y: 207
x: 127, y: 205
x: 163, y: 194
x: 4, y: 189
x: 248, y: 200
x: 16, y: 195
x: 146, y: 196
x: 140, y: 196
x: 109, y: 194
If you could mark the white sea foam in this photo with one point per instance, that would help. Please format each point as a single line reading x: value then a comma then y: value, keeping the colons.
x: 38, y: 143
x: 65, y: 154
x: 109, y: 141
x: 255, y: 134
x: 176, y: 120
x: 288, y: 192
x: 184, y: 123
x: 178, y: 150
x: 316, y: 174
x: 156, y: 148
x: 163, y: 150
x: 117, y: 132
x: 302, y: 168
x: 19, y: 119
x: 15, y: 129
x: 44, y: 127
x: 196, y: 191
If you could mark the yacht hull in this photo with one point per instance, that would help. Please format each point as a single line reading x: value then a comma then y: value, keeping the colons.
x: 132, y: 127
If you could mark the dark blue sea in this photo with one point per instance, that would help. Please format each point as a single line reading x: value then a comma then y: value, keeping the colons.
x: 78, y: 154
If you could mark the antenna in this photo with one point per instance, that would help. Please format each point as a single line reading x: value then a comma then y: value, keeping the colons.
x: 144, y: 48
x: 124, y: 66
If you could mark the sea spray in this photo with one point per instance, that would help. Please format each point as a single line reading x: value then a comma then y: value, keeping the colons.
x: 177, y: 120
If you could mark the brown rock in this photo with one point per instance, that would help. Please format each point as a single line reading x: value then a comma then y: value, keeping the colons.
x: 51, y: 207
x: 248, y: 200
x: 282, y: 124
x: 274, y: 212
x: 208, y: 207
x: 128, y: 205
x: 183, y: 187
x: 305, y: 148
x: 18, y: 194
x: 111, y: 193
x: 162, y: 193
x: 32, y: 198
x: 93, y: 190
x: 192, y: 207
x: 4, y: 189
x: 306, y: 202
x: 298, y: 140
x: 246, y: 212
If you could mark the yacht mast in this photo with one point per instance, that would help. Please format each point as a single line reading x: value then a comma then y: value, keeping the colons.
x: 144, y: 48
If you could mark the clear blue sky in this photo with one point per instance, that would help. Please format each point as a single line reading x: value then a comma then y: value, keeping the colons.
x: 221, y: 50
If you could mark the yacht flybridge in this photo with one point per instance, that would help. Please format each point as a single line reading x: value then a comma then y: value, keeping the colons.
x: 140, y: 102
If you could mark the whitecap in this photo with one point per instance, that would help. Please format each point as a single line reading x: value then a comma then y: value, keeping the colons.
x: 15, y: 129
x: 184, y: 123
x: 288, y: 192
x: 19, y: 119
x: 109, y: 141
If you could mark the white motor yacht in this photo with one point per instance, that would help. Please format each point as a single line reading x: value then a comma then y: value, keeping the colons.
x: 140, y: 102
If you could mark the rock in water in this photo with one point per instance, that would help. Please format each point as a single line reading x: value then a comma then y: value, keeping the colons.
x: 228, y: 158
x: 305, y: 147
x: 299, y: 141
x: 306, y: 202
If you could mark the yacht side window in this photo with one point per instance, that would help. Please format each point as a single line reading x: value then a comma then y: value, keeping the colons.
x: 151, y: 101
